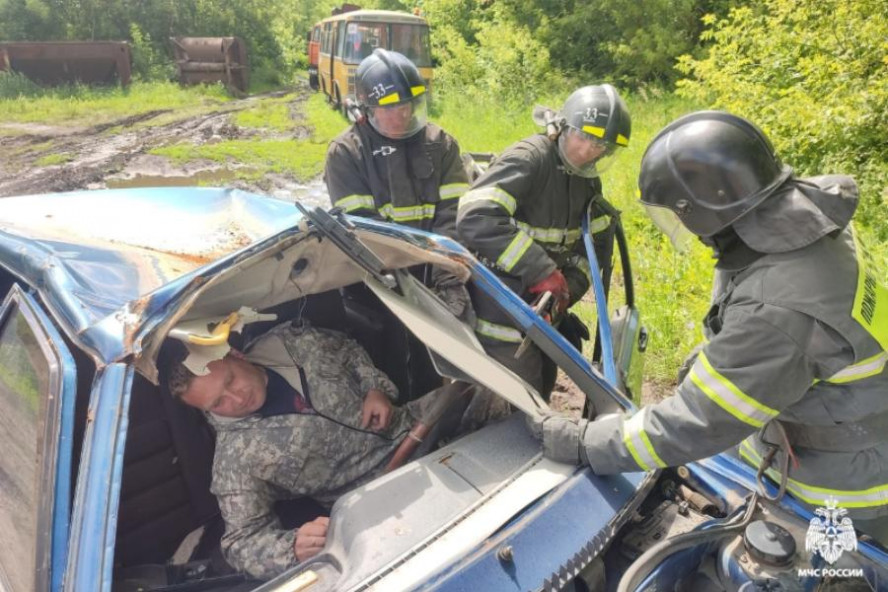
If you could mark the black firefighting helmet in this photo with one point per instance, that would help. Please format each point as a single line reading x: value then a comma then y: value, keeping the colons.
x: 387, y: 80
x: 706, y: 170
x: 599, y: 114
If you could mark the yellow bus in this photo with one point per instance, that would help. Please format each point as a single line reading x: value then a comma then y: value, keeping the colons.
x: 347, y: 38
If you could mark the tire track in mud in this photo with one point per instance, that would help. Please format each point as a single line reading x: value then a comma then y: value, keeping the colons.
x: 93, y: 154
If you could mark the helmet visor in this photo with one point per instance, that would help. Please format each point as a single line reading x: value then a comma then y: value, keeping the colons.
x: 585, y: 155
x: 401, y: 120
x: 670, y: 224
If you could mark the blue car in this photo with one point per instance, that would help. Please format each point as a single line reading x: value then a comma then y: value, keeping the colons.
x: 104, y: 478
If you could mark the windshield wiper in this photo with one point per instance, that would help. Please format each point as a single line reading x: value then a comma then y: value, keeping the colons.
x: 340, y: 231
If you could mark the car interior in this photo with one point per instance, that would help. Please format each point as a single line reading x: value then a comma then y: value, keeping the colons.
x: 168, y: 524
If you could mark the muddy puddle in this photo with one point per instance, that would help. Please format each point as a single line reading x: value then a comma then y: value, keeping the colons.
x: 205, y: 179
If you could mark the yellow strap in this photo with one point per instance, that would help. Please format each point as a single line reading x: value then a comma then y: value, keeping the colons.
x: 219, y: 335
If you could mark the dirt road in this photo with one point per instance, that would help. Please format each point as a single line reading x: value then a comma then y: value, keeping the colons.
x: 55, y: 158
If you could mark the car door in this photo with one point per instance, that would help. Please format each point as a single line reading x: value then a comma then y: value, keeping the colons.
x: 37, y: 389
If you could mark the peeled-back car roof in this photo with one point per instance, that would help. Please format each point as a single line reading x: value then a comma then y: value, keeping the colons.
x: 93, y: 254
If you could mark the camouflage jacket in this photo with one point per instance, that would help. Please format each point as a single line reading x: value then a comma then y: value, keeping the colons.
x: 322, y: 455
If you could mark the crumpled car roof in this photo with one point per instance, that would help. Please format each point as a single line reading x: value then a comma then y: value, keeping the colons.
x: 94, y: 253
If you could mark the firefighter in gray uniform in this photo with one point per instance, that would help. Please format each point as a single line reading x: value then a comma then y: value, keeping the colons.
x: 523, y: 218
x: 793, y: 372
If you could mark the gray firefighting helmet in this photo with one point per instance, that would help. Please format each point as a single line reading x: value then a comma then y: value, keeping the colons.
x: 705, y: 171
x: 387, y: 82
x: 598, y: 114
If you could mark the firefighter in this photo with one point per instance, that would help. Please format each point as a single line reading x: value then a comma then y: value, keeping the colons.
x: 392, y: 164
x: 793, y: 370
x: 523, y: 218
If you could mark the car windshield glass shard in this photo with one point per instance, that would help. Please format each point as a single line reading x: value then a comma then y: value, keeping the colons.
x: 24, y: 386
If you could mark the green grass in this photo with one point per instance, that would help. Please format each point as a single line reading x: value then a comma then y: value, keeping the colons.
x: 53, y: 159
x: 84, y: 105
x: 271, y: 114
x: 326, y: 122
x: 303, y: 159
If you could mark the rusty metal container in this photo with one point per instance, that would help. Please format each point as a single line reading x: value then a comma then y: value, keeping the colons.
x: 212, y: 59
x: 64, y: 62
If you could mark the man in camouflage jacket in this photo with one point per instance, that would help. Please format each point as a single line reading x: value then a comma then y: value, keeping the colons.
x: 334, y: 429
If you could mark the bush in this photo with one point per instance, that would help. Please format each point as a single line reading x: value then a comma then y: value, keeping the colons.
x: 814, y: 75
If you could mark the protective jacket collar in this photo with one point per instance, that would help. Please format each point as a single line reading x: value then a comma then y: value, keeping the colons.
x: 799, y: 213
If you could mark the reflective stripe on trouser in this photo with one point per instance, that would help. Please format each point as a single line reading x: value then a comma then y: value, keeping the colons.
x: 498, y: 332
x: 638, y: 444
x: 726, y: 395
x: 815, y: 495
x: 490, y: 194
x: 352, y: 203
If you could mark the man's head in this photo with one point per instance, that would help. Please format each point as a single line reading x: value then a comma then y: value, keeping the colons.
x: 233, y: 387
x: 596, y: 124
x: 705, y: 171
x: 392, y: 94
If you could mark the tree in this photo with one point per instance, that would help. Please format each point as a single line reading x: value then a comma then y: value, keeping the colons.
x: 814, y: 75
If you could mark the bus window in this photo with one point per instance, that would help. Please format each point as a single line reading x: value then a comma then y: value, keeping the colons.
x: 327, y: 39
x: 413, y: 42
x: 361, y: 39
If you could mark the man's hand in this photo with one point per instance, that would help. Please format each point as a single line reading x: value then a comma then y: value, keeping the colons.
x: 310, y: 538
x: 377, y: 411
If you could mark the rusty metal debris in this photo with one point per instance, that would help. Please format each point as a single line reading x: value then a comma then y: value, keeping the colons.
x: 212, y: 59
x: 65, y: 62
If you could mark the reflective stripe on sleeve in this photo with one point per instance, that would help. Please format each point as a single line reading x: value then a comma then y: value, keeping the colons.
x: 498, y: 332
x: 491, y: 194
x: 868, y: 367
x: 726, y: 395
x: 638, y: 443
x: 817, y: 496
x: 352, y: 203
x: 453, y: 190
x: 408, y: 213
x: 514, y: 251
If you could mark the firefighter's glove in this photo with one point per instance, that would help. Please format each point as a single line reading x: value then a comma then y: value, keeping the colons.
x: 562, y: 436
x: 452, y: 293
x: 574, y: 330
x: 556, y: 283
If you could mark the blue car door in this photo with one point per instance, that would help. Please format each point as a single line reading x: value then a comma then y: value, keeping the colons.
x: 37, y: 390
